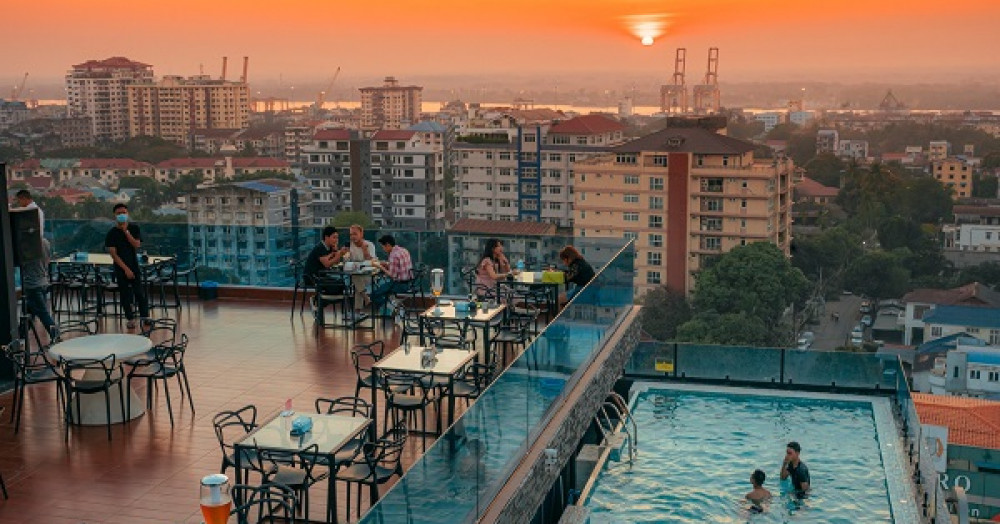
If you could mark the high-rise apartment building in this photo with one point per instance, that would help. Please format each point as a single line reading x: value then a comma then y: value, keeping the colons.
x: 955, y: 174
x: 526, y: 173
x: 175, y: 107
x: 684, y: 195
x: 98, y: 90
x: 251, y: 229
x: 335, y: 163
x: 390, y: 106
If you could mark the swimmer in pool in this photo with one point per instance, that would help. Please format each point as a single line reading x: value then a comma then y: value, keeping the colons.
x: 759, y: 495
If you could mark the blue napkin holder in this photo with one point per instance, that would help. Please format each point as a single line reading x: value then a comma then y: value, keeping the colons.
x: 461, y: 307
x: 301, y: 425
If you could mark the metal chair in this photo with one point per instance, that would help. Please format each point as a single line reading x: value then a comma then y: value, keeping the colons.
x: 186, y: 269
x: 29, y: 369
x: 300, y: 283
x: 3, y: 487
x: 334, y: 288
x: 230, y: 426
x: 406, y: 394
x: 165, y: 365
x: 108, y: 372
x: 265, y: 503
x: 375, y: 464
x: 295, y: 470
x: 362, y: 357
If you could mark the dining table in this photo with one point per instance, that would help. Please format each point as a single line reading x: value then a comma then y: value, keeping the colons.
x: 97, y: 347
x: 485, y: 317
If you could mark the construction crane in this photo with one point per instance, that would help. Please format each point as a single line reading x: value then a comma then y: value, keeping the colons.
x: 707, y: 94
x: 321, y: 96
x: 673, y: 97
x: 17, y: 90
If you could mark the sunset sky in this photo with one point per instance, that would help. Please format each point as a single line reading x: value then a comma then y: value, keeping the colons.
x: 848, y: 40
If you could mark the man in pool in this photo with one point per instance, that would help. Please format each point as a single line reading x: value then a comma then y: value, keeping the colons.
x: 759, y: 495
x: 795, y: 468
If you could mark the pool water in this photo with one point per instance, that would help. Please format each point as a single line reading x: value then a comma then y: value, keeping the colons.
x: 697, y: 450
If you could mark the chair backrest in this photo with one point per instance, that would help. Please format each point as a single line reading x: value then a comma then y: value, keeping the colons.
x: 363, y: 356
x: 265, y: 503
x: 174, y: 354
x: 450, y: 332
x: 387, y: 452
x: 160, y: 331
x: 350, y: 406
x: 101, y: 368
x: 78, y: 328
x: 407, y: 384
x: 233, y: 425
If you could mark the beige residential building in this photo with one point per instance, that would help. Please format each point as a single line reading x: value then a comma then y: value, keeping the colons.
x: 954, y: 173
x: 684, y: 195
x: 390, y: 106
x: 175, y: 107
x: 98, y: 90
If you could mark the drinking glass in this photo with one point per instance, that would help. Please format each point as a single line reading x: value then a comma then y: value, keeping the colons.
x: 216, y: 499
x: 437, y: 286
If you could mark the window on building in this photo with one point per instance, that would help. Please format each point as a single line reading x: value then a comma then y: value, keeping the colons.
x: 660, y: 160
x: 995, y: 337
x: 630, y: 235
x: 632, y: 179
x: 555, y: 157
x: 711, y: 243
x: 654, y: 258
x: 652, y: 277
x: 936, y: 331
x: 630, y: 217
x: 656, y: 183
x: 529, y: 138
x: 655, y: 202
x: 974, y: 374
x: 993, y: 376
x: 655, y: 240
x: 627, y: 158
x: 631, y: 198
x: 655, y: 221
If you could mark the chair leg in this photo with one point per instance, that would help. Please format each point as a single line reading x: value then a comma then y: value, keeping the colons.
x: 18, y: 404
x: 187, y: 385
x: 107, y: 411
x: 121, y: 402
x: 3, y: 488
x: 166, y: 392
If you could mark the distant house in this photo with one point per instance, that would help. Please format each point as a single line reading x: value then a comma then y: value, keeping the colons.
x: 920, y: 302
x: 980, y: 322
x: 809, y: 190
x: 929, y: 362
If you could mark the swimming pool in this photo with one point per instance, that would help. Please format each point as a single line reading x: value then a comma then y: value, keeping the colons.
x: 697, y: 449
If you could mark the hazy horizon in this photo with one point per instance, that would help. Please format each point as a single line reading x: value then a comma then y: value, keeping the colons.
x: 304, y: 41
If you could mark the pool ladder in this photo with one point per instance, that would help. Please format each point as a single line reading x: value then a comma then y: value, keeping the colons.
x: 613, y: 418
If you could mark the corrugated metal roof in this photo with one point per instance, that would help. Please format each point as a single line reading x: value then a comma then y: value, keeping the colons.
x: 687, y: 140
x: 991, y: 358
x: 981, y: 317
x: 502, y: 227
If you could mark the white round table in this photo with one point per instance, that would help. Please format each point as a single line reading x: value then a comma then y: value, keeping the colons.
x: 96, y: 347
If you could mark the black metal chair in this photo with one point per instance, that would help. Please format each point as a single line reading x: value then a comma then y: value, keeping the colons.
x: 265, y: 503
x: 451, y: 334
x: 514, y: 333
x: 29, y: 368
x: 231, y: 426
x: 3, y: 487
x: 165, y: 365
x: 295, y: 470
x: 186, y: 268
x: 92, y: 376
x: 334, y: 288
x: 362, y: 357
x: 407, y: 394
x: 77, y: 328
x: 375, y: 464
x: 300, y: 283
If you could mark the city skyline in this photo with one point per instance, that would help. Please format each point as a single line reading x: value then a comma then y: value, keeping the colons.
x: 305, y: 40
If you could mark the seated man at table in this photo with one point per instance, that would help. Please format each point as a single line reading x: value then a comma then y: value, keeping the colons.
x: 399, y: 269
x: 323, y: 256
x: 123, y: 242
x: 360, y: 250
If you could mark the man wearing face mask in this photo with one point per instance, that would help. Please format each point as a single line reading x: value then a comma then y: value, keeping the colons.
x: 123, y: 242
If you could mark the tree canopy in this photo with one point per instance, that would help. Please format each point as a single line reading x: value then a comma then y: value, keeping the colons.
x: 663, y: 310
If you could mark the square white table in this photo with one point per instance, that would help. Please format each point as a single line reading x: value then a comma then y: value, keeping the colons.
x: 449, y: 363
x: 478, y: 317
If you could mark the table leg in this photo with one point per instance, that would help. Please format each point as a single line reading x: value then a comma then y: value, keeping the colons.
x: 374, y: 425
x: 451, y: 399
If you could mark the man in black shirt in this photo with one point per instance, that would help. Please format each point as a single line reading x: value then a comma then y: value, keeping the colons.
x: 325, y: 254
x: 795, y: 468
x: 122, y: 243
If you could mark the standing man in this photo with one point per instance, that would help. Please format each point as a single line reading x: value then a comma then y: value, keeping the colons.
x: 795, y: 468
x: 123, y: 242
x: 24, y: 200
x: 399, y: 269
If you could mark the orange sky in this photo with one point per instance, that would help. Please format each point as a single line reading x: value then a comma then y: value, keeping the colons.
x: 305, y: 39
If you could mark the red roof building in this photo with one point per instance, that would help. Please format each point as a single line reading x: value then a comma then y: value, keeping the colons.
x: 115, y: 62
x: 587, y: 125
x: 809, y: 190
x: 393, y: 134
x: 502, y: 227
x: 970, y: 421
x: 332, y: 134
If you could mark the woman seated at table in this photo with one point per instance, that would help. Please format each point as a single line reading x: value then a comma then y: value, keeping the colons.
x: 493, y: 266
x: 579, y: 273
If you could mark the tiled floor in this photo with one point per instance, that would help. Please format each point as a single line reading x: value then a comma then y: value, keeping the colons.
x: 240, y: 353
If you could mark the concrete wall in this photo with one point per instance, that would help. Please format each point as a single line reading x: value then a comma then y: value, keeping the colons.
x: 528, y: 486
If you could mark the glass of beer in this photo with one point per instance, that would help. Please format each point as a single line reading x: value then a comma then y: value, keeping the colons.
x: 216, y: 499
x: 437, y: 287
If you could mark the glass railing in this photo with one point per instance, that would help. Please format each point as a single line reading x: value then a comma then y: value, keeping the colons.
x: 261, y: 256
x: 462, y: 472
x: 793, y: 368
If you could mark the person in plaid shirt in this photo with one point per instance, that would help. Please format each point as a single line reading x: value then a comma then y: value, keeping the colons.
x: 399, y: 269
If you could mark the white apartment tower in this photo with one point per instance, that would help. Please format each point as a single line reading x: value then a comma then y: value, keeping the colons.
x: 98, y: 89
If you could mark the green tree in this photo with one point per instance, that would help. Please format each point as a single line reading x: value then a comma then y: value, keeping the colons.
x: 984, y: 185
x: 991, y: 160
x: 782, y: 131
x: 742, y: 128
x: 348, y: 218
x: 826, y: 168
x: 987, y: 273
x: 827, y: 253
x: 733, y: 329
x: 663, y: 310
x: 877, y: 274
x: 922, y: 199
x: 756, y: 280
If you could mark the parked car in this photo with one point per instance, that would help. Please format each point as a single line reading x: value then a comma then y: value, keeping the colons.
x: 866, y: 321
x: 866, y: 307
x: 805, y: 340
x: 856, y: 339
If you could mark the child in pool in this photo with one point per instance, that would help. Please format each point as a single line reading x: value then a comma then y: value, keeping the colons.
x: 759, y: 495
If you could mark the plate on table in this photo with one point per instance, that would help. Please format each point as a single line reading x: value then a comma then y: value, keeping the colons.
x: 445, y: 302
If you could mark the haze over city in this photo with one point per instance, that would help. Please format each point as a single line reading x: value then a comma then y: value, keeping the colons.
x: 306, y: 40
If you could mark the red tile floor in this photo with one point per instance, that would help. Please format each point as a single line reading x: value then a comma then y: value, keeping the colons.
x: 240, y: 353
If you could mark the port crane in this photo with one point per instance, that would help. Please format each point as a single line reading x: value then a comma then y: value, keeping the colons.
x: 321, y: 96
x: 18, y: 90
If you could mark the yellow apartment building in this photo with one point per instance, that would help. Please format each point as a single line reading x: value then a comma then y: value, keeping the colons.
x: 390, y: 106
x: 685, y: 195
x: 955, y: 174
x: 175, y: 107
